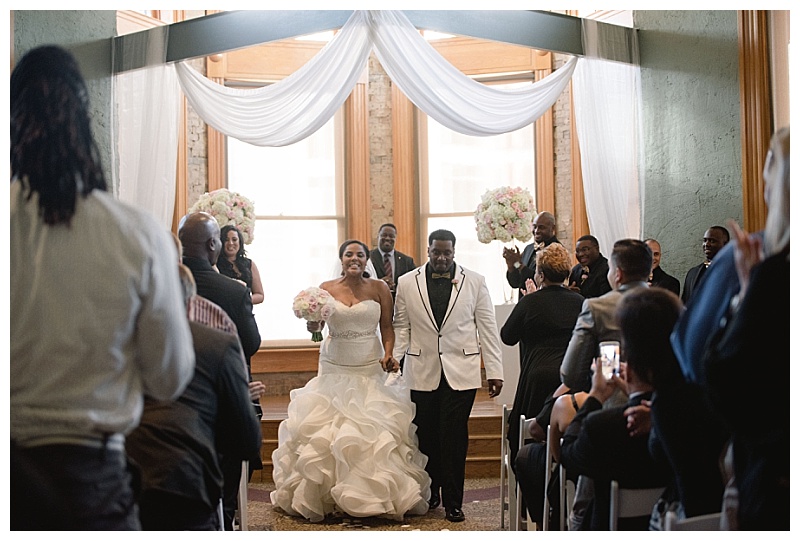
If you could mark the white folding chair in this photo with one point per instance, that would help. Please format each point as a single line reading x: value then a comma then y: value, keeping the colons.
x: 631, y: 502
x: 566, y: 496
x: 242, y: 496
x: 548, y: 474
x: 524, y: 428
x: 704, y: 523
x: 508, y: 481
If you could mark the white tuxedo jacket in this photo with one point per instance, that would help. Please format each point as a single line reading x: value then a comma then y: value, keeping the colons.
x: 469, y: 328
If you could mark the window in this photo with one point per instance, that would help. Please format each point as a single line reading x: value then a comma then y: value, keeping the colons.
x: 456, y: 171
x: 298, y: 195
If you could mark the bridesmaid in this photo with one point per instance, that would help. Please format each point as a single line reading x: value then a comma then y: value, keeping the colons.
x: 235, y: 264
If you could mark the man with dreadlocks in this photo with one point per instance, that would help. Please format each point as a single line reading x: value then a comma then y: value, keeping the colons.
x: 98, y: 319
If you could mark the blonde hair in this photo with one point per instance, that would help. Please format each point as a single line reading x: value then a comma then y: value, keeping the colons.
x: 554, y: 263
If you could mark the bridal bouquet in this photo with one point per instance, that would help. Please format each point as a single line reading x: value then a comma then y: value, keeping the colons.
x: 505, y: 214
x: 229, y: 208
x: 314, y: 304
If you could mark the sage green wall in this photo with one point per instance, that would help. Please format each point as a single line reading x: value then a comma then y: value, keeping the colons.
x: 85, y: 33
x: 691, y: 129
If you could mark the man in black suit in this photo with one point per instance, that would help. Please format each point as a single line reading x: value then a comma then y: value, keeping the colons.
x: 597, y: 444
x: 659, y: 278
x: 523, y: 266
x: 590, y: 276
x: 714, y: 239
x: 178, y: 444
x: 389, y: 263
x: 199, y: 235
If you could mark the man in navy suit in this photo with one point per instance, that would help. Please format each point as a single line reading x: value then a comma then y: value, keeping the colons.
x: 597, y: 444
x: 389, y: 263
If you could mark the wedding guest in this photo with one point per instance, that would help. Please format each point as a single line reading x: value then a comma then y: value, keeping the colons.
x: 629, y: 268
x: 714, y: 239
x: 445, y: 326
x: 543, y: 320
x: 685, y: 435
x: 235, y: 264
x: 755, y: 328
x: 389, y: 263
x: 659, y: 278
x: 199, y: 234
x: 98, y: 319
x: 348, y: 444
x: 590, y: 276
x: 178, y: 444
x: 522, y: 266
x: 597, y: 445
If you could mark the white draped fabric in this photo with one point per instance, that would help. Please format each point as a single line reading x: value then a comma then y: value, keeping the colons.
x: 607, y: 100
x: 292, y: 109
x: 147, y: 143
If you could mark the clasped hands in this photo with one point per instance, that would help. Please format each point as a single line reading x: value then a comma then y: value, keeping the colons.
x: 390, y: 364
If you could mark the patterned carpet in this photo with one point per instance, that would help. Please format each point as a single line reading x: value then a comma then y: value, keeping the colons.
x: 481, y: 508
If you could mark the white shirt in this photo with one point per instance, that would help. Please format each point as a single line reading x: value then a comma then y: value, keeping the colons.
x: 97, y: 320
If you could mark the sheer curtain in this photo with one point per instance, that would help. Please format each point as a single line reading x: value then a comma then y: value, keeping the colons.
x: 607, y: 106
x: 148, y: 117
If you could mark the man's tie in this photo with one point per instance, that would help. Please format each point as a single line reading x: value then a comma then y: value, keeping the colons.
x: 387, y: 266
x: 436, y: 275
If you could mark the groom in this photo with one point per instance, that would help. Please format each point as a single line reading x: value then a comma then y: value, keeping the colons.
x: 444, y: 321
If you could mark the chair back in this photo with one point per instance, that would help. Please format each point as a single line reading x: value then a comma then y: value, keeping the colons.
x: 508, y: 481
x: 704, y: 523
x: 566, y: 496
x: 631, y: 502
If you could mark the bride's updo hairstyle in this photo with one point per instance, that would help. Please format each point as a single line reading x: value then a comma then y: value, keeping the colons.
x: 347, y: 243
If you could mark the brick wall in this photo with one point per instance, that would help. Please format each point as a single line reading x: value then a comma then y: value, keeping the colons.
x: 380, y: 148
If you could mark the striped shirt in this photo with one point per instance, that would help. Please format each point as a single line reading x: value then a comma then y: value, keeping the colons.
x: 203, y: 311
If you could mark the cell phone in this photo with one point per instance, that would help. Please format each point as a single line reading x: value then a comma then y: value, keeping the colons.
x: 609, y: 358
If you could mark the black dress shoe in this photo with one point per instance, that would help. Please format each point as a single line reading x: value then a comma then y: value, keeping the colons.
x: 455, y: 515
x: 434, y: 502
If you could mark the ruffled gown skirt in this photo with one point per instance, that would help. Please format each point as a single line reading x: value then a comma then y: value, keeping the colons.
x: 349, y: 444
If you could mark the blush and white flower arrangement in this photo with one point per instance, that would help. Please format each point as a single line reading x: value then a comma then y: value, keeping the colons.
x: 229, y: 208
x: 505, y: 214
x: 314, y: 304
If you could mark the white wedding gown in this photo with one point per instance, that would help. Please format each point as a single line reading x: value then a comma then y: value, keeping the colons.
x: 349, y: 445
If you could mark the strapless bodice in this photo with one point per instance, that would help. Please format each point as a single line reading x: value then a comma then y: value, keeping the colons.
x: 352, y: 335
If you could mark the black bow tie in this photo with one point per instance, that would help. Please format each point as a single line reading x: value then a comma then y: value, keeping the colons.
x: 437, y: 276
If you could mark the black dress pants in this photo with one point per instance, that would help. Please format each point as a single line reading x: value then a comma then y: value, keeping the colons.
x: 442, y: 427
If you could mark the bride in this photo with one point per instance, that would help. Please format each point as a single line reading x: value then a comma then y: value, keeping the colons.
x: 348, y: 445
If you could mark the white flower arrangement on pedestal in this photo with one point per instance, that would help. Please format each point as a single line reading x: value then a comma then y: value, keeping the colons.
x: 229, y: 208
x: 505, y: 214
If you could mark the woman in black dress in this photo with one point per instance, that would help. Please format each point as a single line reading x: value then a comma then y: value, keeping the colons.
x: 543, y: 320
x: 234, y: 263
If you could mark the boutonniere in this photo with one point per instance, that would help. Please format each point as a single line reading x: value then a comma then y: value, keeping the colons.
x: 454, y: 281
